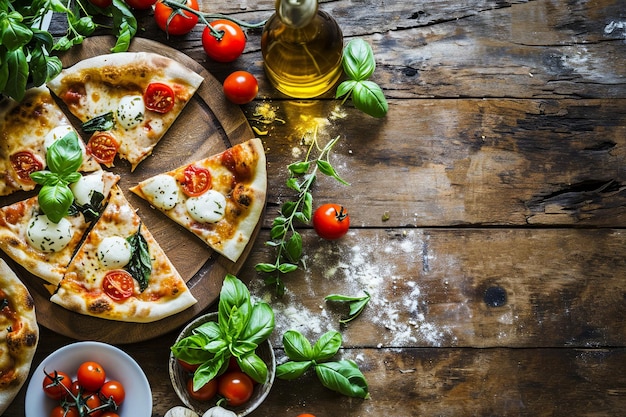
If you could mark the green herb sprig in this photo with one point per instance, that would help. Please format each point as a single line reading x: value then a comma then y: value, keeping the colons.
x: 63, y: 158
x: 285, y: 238
x: 140, y: 264
x: 359, y: 65
x: 357, y: 304
x: 342, y: 376
x: 25, y: 48
x: 241, y: 327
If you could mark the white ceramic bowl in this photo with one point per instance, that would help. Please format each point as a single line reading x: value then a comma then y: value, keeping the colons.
x: 179, y: 376
x: 117, y: 364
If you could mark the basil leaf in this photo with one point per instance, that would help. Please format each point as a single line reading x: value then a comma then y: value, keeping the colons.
x: 368, y: 97
x: 260, y: 325
x: 191, y: 349
x: 18, y: 74
x: 265, y: 267
x: 45, y: 177
x: 297, y: 347
x: 299, y: 167
x: 357, y: 304
x: 55, y: 200
x: 343, y: 377
x: 65, y: 156
x: 345, y: 87
x: 125, y: 24
x: 99, y: 123
x: 254, y: 367
x: 234, y: 305
x: 286, y: 268
x: 90, y: 211
x: 307, y: 206
x: 293, y: 247
x: 292, y: 370
x: 288, y: 208
x: 358, y: 60
x: 38, y: 67
x: 327, y: 169
x: 210, y: 330
x: 53, y: 66
x: 327, y: 346
x: 208, y: 370
x: 140, y: 264
x: 4, y: 70
x: 13, y: 33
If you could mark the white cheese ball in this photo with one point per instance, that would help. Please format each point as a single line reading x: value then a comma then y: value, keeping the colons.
x: 45, y: 235
x: 84, y: 188
x: 208, y: 207
x: 130, y: 111
x: 164, y: 191
x: 114, y: 252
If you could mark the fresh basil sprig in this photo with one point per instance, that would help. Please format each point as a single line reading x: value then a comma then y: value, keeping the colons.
x: 342, y: 376
x: 240, y: 328
x: 63, y: 159
x: 359, y: 65
x: 357, y: 304
x: 100, y: 123
x: 284, y: 235
x: 140, y: 264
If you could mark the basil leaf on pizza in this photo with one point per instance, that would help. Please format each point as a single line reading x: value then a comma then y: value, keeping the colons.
x: 140, y: 264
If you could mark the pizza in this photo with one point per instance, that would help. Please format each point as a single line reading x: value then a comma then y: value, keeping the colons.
x: 19, y: 334
x: 219, y: 199
x: 45, y: 248
x: 121, y: 273
x: 126, y: 101
x: 27, y: 129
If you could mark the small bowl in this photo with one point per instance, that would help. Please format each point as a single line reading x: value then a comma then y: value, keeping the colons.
x: 117, y: 364
x: 179, y: 376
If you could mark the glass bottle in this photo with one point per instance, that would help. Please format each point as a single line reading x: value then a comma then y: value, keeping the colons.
x: 302, y: 49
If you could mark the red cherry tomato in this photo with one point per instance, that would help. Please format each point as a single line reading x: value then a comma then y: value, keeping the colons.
x: 159, y: 97
x: 140, y: 4
x: 103, y: 147
x: 195, y: 180
x: 91, y: 376
x: 113, y: 390
x: 305, y: 415
x: 109, y: 414
x: 182, y: 22
x: 59, y: 411
x: 331, y: 221
x: 91, y: 402
x: 236, y: 387
x: 205, y: 393
x: 241, y: 87
x: 229, y: 46
x: 118, y: 284
x: 101, y: 3
x: 60, y: 389
x: 25, y: 163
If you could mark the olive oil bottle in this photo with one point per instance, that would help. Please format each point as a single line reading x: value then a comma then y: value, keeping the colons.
x: 302, y: 49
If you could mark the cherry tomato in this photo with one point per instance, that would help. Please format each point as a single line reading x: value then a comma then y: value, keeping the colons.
x: 331, y: 221
x: 236, y: 387
x: 205, y: 393
x: 76, y: 388
x: 188, y: 366
x: 305, y: 415
x: 25, y: 163
x: 118, y: 284
x: 91, y: 375
x: 90, y: 402
x: 180, y: 24
x: 113, y: 390
x: 59, y: 390
x: 241, y: 87
x: 196, y: 180
x: 140, y: 4
x: 229, y: 46
x: 101, y: 3
x: 109, y: 414
x: 59, y: 411
x: 159, y: 97
x: 103, y: 147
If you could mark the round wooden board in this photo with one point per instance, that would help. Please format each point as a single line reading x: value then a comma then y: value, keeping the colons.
x: 209, y: 124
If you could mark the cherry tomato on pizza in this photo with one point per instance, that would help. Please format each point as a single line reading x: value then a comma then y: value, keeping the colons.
x: 205, y: 393
x: 196, y: 180
x: 140, y: 4
x: 241, y: 87
x: 91, y: 376
x: 331, y: 221
x: 181, y: 23
x: 113, y: 390
x: 236, y: 387
x: 101, y: 3
x: 56, y: 384
x: 118, y: 284
x: 25, y: 163
x: 103, y: 147
x: 228, y: 46
x: 159, y: 97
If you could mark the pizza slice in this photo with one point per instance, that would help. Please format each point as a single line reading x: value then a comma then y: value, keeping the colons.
x: 121, y: 273
x: 19, y: 334
x: 27, y: 129
x: 126, y: 101
x: 45, y: 248
x: 219, y: 199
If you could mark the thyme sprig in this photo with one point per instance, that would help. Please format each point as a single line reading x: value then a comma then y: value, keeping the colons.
x: 284, y: 236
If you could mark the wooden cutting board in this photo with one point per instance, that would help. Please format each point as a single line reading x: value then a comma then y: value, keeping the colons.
x: 209, y: 124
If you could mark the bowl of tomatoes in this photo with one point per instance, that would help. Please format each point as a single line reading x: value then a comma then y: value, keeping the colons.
x: 231, y: 388
x: 94, y: 376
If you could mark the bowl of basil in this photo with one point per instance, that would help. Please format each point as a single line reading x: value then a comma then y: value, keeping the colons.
x: 214, y: 348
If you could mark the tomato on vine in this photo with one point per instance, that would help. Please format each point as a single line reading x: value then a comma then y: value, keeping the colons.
x: 180, y: 22
x: 140, y: 4
x: 331, y: 221
x: 113, y: 390
x: 205, y: 393
x: 56, y: 385
x: 225, y: 42
x: 91, y: 376
x: 241, y: 87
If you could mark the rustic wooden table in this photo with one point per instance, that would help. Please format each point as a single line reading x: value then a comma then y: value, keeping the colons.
x: 498, y: 280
